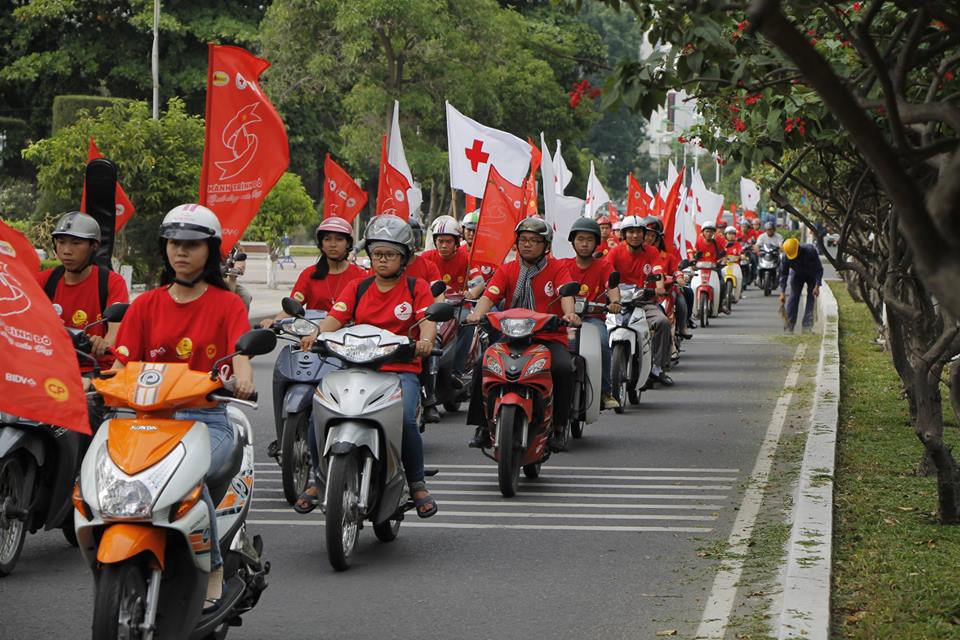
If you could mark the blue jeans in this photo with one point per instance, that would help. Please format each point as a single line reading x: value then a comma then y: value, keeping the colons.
x: 601, y: 325
x: 464, y: 340
x: 797, y: 281
x: 221, y: 445
x: 411, y: 449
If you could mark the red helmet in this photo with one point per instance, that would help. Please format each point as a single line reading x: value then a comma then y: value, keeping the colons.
x: 334, y: 224
x: 603, y: 220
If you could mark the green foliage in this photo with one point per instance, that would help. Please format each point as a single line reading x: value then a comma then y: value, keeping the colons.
x: 158, y: 163
x: 893, y: 565
x: 17, y: 199
x: 67, y: 109
x: 286, y: 208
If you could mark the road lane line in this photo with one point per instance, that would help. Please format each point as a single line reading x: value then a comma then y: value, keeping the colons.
x: 474, y: 483
x: 534, y: 527
x: 716, y: 615
x: 553, y: 467
x: 564, y: 516
x: 548, y: 494
x: 544, y: 477
x: 584, y: 505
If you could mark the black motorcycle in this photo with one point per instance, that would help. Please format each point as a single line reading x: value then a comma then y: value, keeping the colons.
x: 767, y: 270
x: 38, y: 468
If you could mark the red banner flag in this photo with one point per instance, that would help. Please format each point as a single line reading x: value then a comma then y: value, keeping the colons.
x: 22, y: 246
x: 500, y: 211
x: 391, y: 188
x: 656, y: 207
x: 41, y: 378
x: 246, y: 149
x: 535, y: 156
x: 638, y: 202
x: 342, y: 197
x: 613, y: 213
x: 670, y: 207
x: 125, y: 207
x: 470, y: 203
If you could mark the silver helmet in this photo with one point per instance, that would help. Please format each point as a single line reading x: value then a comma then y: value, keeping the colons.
x: 77, y: 225
x: 537, y: 225
x: 393, y: 230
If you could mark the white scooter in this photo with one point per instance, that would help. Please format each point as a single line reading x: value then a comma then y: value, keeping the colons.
x: 631, y: 356
x: 139, y: 516
x: 588, y: 365
x: 707, y: 294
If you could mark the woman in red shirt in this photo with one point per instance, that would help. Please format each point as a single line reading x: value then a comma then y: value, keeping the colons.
x: 387, y: 303
x: 192, y: 318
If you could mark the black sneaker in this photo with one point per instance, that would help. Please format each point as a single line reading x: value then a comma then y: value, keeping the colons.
x: 481, y: 439
x: 431, y: 414
x: 273, y: 451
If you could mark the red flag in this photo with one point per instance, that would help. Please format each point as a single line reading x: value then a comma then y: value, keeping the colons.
x: 125, y: 207
x: 670, y: 207
x: 246, y: 149
x: 41, y: 378
x: 392, y: 188
x: 23, y: 248
x: 535, y: 156
x: 500, y: 211
x: 529, y: 197
x: 342, y: 197
x: 638, y: 202
x: 470, y: 202
x: 656, y: 207
x: 613, y: 213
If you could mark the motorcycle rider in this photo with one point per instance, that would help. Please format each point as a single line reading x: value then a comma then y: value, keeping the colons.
x: 393, y: 301
x: 770, y: 236
x: 530, y: 282
x: 733, y: 246
x: 593, y: 274
x: 469, y: 226
x: 607, y: 239
x: 194, y: 318
x: 709, y: 248
x: 635, y: 261
x: 670, y: 259
x: 451, y: 259
x: 801, y: 264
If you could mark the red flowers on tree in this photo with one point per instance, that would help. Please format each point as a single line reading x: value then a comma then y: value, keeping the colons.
x: 797, y: 124
x: 583, y: 89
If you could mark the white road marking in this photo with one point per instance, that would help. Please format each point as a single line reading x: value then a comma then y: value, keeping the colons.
x: 546, y: 478
x: 530, y: 514
x: 513, y: 502
x: 548, y: 494
x: 716, y: 615
x: 534, y: 527
x: 474, y: 483
x: 553, y: 467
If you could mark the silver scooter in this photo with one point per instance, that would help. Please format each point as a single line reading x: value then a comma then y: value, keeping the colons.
x: 631, y: 357
x: 358, y: 418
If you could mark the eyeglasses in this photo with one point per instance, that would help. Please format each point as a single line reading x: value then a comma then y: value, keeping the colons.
x: 385, y: 256
x: 530, y: 242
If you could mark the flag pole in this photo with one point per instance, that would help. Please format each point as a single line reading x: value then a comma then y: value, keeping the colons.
x: 155, y: 59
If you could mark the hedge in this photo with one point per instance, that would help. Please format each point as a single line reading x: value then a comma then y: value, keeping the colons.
x: 66, y: 107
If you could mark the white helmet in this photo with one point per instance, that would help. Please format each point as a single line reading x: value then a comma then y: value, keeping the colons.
x: 631, y: 222
x: 190, y: 222
x: 445, y: 226
x: 708, y: 225
x: 730, y: 229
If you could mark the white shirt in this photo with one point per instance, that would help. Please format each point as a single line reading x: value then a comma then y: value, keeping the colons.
x: 776, y: 240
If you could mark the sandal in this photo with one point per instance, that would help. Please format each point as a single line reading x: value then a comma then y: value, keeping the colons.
x: 306, y: 501
x: 426, y: 501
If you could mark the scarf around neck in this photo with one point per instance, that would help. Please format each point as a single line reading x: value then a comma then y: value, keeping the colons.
x: 523, y: 292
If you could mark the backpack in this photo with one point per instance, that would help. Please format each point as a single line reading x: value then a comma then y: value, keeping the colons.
x: 103, y: 276
x: 366, y: 282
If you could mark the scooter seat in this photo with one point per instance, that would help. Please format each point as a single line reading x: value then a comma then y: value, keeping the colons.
x: 219, y: 479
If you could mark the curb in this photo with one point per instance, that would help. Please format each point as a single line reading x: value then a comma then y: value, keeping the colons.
x: 806, y: 587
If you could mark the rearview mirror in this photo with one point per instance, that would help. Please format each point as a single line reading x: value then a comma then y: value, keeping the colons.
x: 438, y: 287
x: 439, y: 312
x: 729, y: 244
x: 115, y: 312
x: 569, y: 289
x: 240, y: 257
x: 292, y: 307
x: 683, y: 265
x: 614, y: 280
x: 257, y: 342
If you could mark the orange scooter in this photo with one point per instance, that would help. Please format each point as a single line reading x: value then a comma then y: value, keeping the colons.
x: 140, y: 520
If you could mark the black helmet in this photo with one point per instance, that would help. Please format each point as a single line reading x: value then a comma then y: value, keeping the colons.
x: 584, y: 224
x: 653, y: 223
x: 533, y: 224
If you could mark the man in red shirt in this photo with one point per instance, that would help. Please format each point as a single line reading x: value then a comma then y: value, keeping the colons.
x: 594, y: 275
x: 451, y: 259
x: 530, y: 282
x: 709, y: 249
x: 635, y: 261
x: 608, y: 240
x: 79, y: 289
x: 670, y: 261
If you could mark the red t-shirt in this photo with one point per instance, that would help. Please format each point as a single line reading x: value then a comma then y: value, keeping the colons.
x: 735, y: 250
x: 159, y: 329
x: 593, y: 280
x: 634, y: 266
x: 453, y: 271
x: 485, y: 271
x: 390, y: 310
x: 670, y: 259
x: 79, y: 304
x: 321, y: 294
x: 711, y: 249
x: 422, y: 270
x: 544, y: 285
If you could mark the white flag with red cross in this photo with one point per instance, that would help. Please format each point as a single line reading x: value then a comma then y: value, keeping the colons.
x: 474, y: 148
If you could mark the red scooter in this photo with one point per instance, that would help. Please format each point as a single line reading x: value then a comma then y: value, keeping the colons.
x: 518, y: 393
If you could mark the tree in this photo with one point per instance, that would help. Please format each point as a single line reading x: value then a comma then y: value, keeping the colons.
x: 286, y: 208
x: 158, y: 164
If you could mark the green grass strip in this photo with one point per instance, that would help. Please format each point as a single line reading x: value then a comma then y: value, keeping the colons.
x: 896, y: 572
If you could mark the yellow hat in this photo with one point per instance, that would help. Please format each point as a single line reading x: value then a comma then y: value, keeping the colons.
x: 791, y: 247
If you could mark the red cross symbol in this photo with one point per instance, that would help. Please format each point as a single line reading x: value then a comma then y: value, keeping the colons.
x: 476, y: 155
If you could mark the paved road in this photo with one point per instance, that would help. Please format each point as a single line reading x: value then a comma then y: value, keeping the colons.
x: 602, y: 545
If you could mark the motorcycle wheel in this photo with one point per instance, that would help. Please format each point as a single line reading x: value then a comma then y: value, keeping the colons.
x: 69, y: 533
x: 295, y: 455
x: 726, y: 299
x: 387, y: 530
x: 120, y: 601
x: 703, y: 314
x: 619, y: 375
x: 13, y: 530
x: 532, y: 470
x: 767, y: 284
x: 634, y: 395
x: 576, y: 429
x: 508, y: 445
x: 342, y: 519
x: 451, y: 406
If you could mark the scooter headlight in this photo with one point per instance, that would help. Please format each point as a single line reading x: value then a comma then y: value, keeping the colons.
x: 132, y: 497
x: 361, y: 349
x: 299, y: 327
x: 517, y: 327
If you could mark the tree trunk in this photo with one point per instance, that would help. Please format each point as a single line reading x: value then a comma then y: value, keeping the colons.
x: 955, y: 389
x: 929, y: 425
